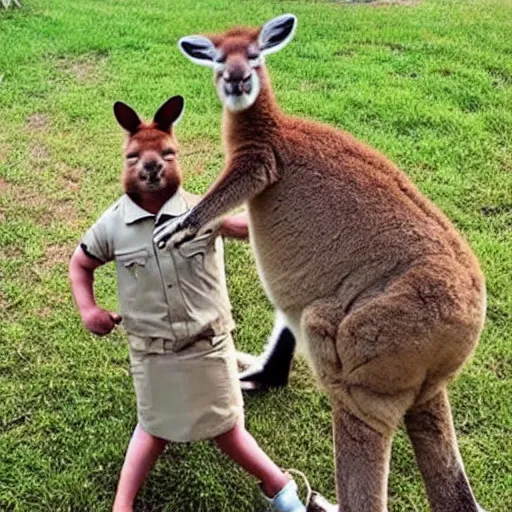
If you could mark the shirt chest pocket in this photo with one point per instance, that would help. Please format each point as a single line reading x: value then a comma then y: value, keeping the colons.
x: 199, y: 246
x: 132, y: 273
x: 199, y: 256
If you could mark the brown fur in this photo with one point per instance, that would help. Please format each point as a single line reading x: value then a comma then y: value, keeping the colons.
x: 386, y: 296
x: 150, y: 142
x: 149, y: 145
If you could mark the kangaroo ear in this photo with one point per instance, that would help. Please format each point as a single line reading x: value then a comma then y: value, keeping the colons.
x: 169, y: 113
x: 199, y: 49
x: 127, y: 117
x: 277, y: 33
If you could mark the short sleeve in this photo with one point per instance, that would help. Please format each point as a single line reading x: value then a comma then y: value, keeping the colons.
x: 98, y: 241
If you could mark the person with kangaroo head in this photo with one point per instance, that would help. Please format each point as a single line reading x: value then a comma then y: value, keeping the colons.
x: 175, y: 308
x: 372, y: 279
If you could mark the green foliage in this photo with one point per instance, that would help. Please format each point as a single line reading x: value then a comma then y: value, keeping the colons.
x: 428, y: 84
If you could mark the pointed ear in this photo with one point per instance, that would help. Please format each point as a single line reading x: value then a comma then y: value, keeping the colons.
x: 127, y: 117
x: 277, y: 33
x: 169, y: 113
x: 199, y: 49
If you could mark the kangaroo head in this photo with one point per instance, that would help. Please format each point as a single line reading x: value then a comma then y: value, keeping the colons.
x: 237, y: 58
x: 150, y: 150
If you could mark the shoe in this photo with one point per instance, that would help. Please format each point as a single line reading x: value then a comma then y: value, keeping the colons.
x: 287, y: 499
x: 315, y: 501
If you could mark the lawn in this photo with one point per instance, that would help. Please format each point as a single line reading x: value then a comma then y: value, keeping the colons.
x: 428, y: 83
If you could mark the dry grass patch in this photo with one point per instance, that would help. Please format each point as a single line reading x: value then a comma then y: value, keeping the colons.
x: 4, y: 151
x: 39, y: 152
x: 38, y: 121
x: 11, y: 252
x: 3, y: 302
x: 64, y: 212
x: 56, y: 254
x: 84, y: 69
x: 40, y: 209
x: 45, y: 312
x: 70, y: 177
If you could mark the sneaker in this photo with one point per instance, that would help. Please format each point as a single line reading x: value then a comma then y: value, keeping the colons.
x: 287, y: 499
x: 315, y: 501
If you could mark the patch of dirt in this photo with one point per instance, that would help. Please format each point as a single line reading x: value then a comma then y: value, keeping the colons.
x: 85, y: 68
x: 44, y: 312
x: 71, y: 177
x: 4, y: 185
x: 38, y: 121
x: 4, y: 150
x: 39, y: 152
x: 500, y: 368
x: 64, y: 211
x: 10, y: 252
x: 506, y: 163
x: 83, y: 71
x: 41, y: 209
x: 58, y: 254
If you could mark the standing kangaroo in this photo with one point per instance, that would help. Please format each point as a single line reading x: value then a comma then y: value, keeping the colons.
x: 368, y: 274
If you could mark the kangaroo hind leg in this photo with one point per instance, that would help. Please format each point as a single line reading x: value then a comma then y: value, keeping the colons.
x: 362, y: 452
x: 430, y: 428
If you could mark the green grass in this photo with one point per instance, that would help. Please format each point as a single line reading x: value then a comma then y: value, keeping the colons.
x: 429, y: 84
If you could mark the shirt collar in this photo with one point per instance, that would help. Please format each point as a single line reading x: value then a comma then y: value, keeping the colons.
x: 174, y: 207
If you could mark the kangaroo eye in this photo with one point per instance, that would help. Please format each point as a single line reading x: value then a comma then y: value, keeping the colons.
x: 168, y: 154
x: 132, y: 157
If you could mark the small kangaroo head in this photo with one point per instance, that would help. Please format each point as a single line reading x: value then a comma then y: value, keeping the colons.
x: 237, y: 58
x: 150, y: 150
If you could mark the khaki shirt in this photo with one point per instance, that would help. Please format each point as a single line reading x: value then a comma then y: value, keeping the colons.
x: 175, y: 294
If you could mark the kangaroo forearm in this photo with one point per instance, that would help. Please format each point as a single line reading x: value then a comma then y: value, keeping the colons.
x: 238, y: 184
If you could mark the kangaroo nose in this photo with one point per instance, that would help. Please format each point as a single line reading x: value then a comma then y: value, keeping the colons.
x: 236, y: 86
x: 152, y: 166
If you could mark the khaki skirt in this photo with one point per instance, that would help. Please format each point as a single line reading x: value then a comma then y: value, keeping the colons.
x: 187, y: 394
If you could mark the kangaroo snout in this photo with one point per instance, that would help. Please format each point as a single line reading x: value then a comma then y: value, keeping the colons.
x: 234, y: 85
x: 153, y: 166
x: 151, y: 171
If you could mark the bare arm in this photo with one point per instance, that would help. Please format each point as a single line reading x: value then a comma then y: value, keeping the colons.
x: 81, y: 276
x: 236, y: 226
x: 247, y: 174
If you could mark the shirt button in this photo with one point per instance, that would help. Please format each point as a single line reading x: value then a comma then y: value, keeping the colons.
x: 169, y: 285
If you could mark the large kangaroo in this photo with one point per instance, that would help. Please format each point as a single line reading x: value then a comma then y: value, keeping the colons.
x: 368, y: 274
